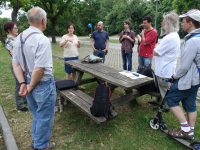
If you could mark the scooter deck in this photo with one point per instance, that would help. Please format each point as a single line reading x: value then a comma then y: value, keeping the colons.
x: 187, y: 143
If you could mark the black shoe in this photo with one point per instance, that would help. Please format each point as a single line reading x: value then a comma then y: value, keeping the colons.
x: 23, y: 109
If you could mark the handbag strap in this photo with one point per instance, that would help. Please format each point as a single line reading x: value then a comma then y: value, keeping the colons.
x: 26, y: 70
x: 85, y: 59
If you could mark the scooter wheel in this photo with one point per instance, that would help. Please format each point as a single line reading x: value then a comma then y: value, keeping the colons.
x: 195, y: 146
x: 154, y: 125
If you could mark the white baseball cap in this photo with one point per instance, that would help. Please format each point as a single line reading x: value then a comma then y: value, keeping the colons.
x: 193, y: 13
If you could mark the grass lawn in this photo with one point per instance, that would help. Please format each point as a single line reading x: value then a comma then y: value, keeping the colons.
x: 75, y: 131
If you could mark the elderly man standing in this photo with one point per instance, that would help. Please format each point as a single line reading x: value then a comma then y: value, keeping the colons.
x: 167, y: 51
x: 32, y: 63
x: 100, y: 41
x: 186, y: 78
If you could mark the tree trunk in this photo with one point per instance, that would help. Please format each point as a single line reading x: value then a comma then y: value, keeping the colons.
x: 15, y: 11
x: 53, y: 31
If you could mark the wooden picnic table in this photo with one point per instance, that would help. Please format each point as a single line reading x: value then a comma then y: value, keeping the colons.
x: 101, y: 72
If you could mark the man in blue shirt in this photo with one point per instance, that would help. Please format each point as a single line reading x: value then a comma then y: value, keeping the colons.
x: 100, y: 41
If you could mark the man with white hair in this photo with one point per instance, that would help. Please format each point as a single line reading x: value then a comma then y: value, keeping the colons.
x: 165, y: 53
x: 100, y: 41
x: 33, y: 67
x: 186, y: 79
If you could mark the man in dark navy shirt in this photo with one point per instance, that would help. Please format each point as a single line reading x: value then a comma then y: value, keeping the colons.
x: 100, y: 41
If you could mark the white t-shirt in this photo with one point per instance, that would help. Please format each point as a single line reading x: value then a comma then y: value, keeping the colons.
x: 70, y: 48
x: 168, y: 49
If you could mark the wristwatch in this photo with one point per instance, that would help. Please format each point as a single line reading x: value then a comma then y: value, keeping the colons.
x: 22, y: 83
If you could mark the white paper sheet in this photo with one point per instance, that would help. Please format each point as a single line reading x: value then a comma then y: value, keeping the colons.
x: 132, y: 75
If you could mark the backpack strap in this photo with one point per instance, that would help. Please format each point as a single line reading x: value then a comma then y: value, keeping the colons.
x: 196, y: 35
x: 26, y: 70
x: 85, y: 59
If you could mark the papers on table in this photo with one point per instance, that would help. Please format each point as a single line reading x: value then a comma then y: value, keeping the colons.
x: 132, y: 75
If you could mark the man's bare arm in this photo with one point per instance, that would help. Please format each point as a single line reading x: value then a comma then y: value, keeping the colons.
x: 36, y: 76
x: 18, y: 72
x: 107, y: 44
x: 92, y: 44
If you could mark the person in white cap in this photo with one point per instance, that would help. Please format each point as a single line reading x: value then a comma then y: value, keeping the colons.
x: 186, y: 79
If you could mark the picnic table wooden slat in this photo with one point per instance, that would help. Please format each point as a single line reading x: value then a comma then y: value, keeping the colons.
x: 83, y: 105
x: 84, y: 96
x: 104, y: 74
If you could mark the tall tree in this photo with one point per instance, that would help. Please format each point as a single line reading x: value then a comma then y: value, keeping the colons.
x: 54, y: 9
x: 16, y: 5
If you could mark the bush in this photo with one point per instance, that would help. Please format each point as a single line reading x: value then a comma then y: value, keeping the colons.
x: 2, y: 33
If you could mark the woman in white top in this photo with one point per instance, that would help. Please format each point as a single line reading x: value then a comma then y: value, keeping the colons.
x: 70, y: 43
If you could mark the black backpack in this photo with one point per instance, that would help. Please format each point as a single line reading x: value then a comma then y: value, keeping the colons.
x: 151, y: 87
x: 102, y: 106
x: 145, y: 70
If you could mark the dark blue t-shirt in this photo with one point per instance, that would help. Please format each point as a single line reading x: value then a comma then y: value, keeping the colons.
x: 100, y: 39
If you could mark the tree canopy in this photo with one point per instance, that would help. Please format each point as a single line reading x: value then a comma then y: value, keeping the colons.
x: 112, y: 12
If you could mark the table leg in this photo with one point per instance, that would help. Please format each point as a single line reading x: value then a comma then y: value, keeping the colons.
x: 112, y: 87
x: 78, y: 77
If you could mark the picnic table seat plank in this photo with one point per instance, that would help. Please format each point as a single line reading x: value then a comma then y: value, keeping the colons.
x: 85, y: 97
x: 83, y: 101
x: 88, y: 99
x: 109, y: 74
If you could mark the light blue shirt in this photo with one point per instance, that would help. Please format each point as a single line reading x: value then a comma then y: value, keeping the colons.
x: 37, y: 51
x: 187, y: 71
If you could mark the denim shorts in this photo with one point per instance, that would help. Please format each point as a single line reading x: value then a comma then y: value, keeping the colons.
x: 187, y: 97
x: 68, y: 68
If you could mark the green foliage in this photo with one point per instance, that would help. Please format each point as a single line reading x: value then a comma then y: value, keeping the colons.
x: 123, y: 10
x: 2, y: 33
x: 116, y: 17
x: 22, y: 22
x: 183, y: 6
x: 112, y: 12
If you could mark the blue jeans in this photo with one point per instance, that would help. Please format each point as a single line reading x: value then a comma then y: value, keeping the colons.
x: 41, y: 101
x: 144, y: 61
x: 127, y: 57
x: 100, y: 54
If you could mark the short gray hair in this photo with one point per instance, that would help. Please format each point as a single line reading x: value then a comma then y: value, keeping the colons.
x: 171, y: 23
x: 101, y: 22
x: 36, y: 14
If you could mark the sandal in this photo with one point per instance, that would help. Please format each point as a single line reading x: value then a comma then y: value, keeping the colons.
x: 178, y: 133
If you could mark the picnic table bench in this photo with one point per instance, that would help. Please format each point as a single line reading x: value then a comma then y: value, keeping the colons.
x: 82, y: 101
x: 100, y: 72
